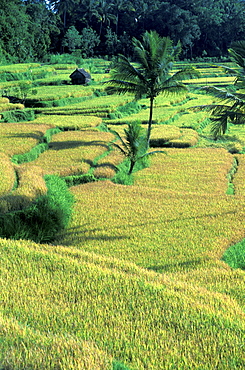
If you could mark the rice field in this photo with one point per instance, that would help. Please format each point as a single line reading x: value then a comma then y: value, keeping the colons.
x: 137, y: 280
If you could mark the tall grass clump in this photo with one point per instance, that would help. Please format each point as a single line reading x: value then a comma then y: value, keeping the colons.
x: 40, y: 222
x: 235, y: 255
x: 18, y: 115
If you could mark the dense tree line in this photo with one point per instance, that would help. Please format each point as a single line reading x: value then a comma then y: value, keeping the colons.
x: 30, y: 29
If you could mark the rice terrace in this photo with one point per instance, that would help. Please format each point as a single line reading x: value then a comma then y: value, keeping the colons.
x: 102, y: 269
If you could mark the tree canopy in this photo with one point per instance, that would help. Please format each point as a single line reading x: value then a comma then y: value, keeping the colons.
x: 33, y: 28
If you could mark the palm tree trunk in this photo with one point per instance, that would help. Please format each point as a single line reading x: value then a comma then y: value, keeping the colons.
x: 132, y: 163
x: 150, y: 121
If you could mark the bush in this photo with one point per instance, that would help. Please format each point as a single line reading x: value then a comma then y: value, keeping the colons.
x: 119, y: 366
x: 235, y: 255
x: 18, y: 115
x: 79, y: 179
x: 126, y: 110
x: 40, y: 222
x: 58, y: 103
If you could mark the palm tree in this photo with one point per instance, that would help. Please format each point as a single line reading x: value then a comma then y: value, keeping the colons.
x: 105, y: 14
x: 134, y: 145
x: 232, y: 104
x: 154, y: 56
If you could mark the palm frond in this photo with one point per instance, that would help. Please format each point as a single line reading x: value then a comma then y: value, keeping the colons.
x: 185, y: 74
x: 219, y: 125
x: 176, y: 89
x: 237, y: 53
x: 125, y: 87
x: 154, y: 152
x: 212, y: 108
x: 226, y: 69
x: 125, y: 70
x: 223, y: 95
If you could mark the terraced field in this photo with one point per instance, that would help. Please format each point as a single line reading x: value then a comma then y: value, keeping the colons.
x: 137, y: 280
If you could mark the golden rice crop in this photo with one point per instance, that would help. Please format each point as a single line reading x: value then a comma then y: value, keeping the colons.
x: 9, y: 84
x: 61, y: 302
x: 106, y: 166
x: 10, y: 106
x: 238, y: 180
x: 217, y: 277
x: 59, y: 92
x: 211, y: 80
x: 7, y: 174
x: 31, y: 181
x: 19, y: 67
x: 19, y: 138
x: 60, y: 66
x: 36, y: 350
x: 188, y: 137
x: 100, y: 106
x: 73, y: 152
x: 198, y: 170
x: 31, y: 185
x: 159, y: 229
x: 111, y: 102
x: 75, y: 122
x: 4, y: 100
x: 165, y: 132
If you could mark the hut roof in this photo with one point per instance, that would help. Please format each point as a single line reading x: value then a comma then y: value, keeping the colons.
x: 82, y: 72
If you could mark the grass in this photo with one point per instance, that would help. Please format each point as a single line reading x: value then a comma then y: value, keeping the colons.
x: 144, y: 275
x: 7, y: 175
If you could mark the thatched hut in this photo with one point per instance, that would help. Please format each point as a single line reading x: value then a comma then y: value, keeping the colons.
x: 80, y: 77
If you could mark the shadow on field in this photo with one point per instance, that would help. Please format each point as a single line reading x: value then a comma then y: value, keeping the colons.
x: 185, y: 265
x: 37, y: 135
x: 78, y: 232
x: 59, y: 145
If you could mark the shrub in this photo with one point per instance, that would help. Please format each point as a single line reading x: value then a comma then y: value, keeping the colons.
x: 79, y: 179
x: 119, y: 366
x: 18, y: 115
x: 125, y: 110
x: 46, y: 216
x: 235, y: 255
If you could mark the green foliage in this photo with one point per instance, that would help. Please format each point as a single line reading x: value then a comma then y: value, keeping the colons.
x: 230, y: 175
x: 231, y: 102
x: 18, y: 115
x: 72, y: 39
x: 79, y: 179
x: 116, y: 365
x: 126, y: 110
x: 57, y: 103
x: 122, y: 176
x: 41, y: 221
x: 49, y: 133
x: 235, y: 255
x: 8, y: 76
x: 134, y: 146
x: 90, y: 40
x: 154, y: 56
